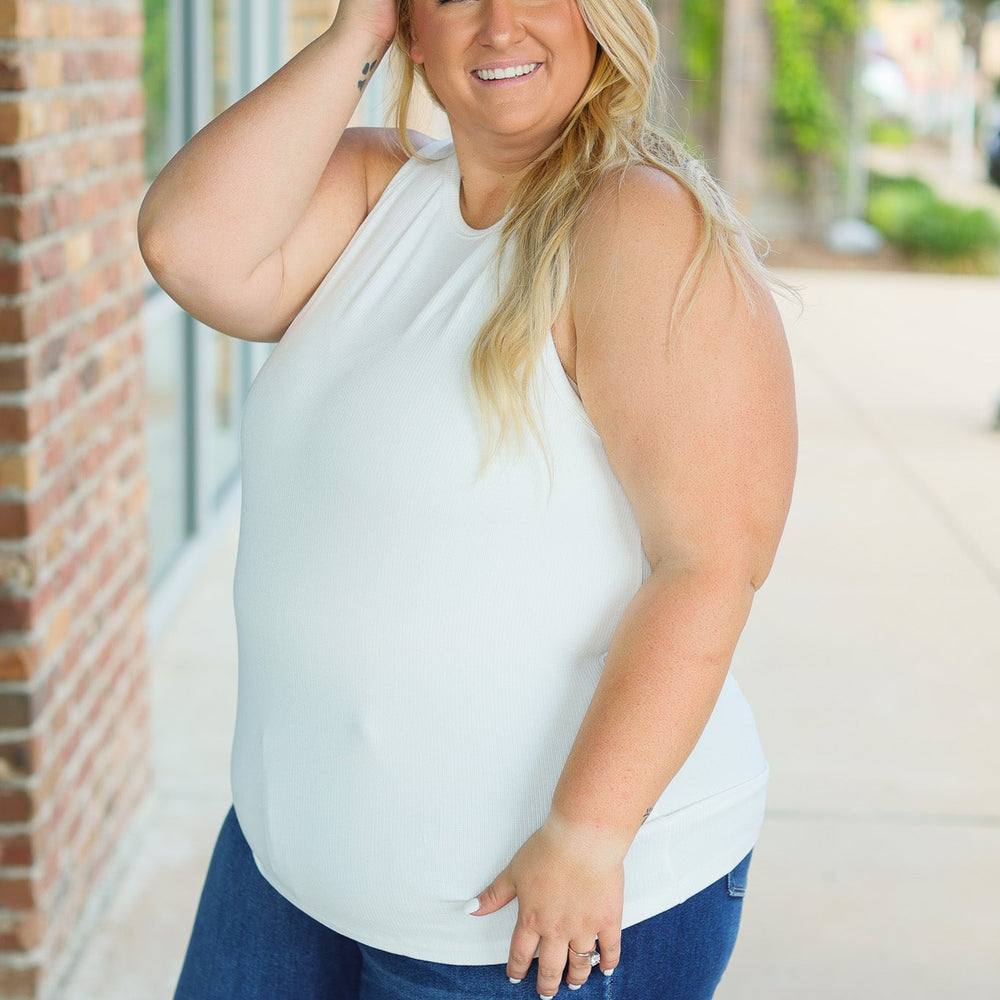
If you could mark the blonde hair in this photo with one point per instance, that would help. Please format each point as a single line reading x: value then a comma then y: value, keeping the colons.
x: 609, y: 129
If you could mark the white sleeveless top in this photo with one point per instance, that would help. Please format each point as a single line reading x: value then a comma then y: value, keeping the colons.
x: 417, y: 646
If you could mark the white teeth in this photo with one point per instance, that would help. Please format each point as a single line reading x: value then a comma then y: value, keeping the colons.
x: 505, y: 74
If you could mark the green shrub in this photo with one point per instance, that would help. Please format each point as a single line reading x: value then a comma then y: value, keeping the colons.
x: 889, y: 132
x: 908, y: 213
x: 951, y: 231
x: 892, y: 210
x: 885, y: 182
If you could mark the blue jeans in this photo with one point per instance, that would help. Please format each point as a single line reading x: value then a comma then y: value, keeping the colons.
x: 250, y: 943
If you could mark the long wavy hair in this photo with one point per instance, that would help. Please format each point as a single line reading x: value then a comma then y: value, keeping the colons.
x: 610, y: 128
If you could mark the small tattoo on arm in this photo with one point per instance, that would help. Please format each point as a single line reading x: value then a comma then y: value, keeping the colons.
x: 646, y: 815
x: 366, y: 73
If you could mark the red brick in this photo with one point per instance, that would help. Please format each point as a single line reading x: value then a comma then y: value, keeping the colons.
x: 15, y: 615
x: 15, y: 373
x: 20, y: 981
x: 74, y: 66
x: 17, y: 850
x: 50, y: 263
x: 12, y: 326
x: 14, y: 423
x: 22, y: 932
x: 63, y: 303
x: 28, y: 222
x: 17, y: 805
x: 62, y: 22
x: 19, y: 662
x: 21, y: 759
x: 15, y: 175
x: 17, y: 893
x: 63, y: 209
x: 45, y: 69
x: 15, y: 277
x: 14, y: 74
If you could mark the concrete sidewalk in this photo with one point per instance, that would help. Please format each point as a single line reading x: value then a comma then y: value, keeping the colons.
x: 872, y: 660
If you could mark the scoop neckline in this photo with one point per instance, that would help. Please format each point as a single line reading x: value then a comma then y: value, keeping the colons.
x: 452, y: 193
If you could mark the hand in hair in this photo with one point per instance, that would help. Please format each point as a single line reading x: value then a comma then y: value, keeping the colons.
x: 377, y: 18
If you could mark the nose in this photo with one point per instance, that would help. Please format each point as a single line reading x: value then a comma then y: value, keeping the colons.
x: 501, y: 23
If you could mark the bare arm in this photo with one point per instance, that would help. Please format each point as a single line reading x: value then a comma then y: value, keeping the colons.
x: 242, y: 224
x: 703, y: 440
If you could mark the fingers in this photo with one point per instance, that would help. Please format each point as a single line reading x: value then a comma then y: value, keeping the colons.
x: 555, y: 957
x: 551, y: 962
x: 611, y: 949
x: 494, y: 897
x: 580, y: 963
x: 523, y: 944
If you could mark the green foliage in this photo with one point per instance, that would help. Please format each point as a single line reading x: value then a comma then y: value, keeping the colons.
x: 701, y: 51
x: 908, y: 213
x: 804, y: 101
x: 155, y: 60
x: 805, y: 106
x: 889, y: 132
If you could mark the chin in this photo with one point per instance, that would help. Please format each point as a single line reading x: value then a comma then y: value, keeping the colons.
x: 516, y: 126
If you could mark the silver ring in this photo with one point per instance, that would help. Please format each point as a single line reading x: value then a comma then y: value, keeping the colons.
x: 593, y: 956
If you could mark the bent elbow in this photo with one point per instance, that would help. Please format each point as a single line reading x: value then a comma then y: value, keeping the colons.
x: 152, y: 240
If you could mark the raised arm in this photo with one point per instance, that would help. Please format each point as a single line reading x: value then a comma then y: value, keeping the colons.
x: 242, y: 224
x: 699, y: 428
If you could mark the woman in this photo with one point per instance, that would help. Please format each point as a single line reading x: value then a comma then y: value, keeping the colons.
x: 511, y: 476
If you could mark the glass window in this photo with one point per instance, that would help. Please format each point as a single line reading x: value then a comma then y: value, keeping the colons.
x: 224, y: 62
x: 166, y: 430
x: 199, y: 56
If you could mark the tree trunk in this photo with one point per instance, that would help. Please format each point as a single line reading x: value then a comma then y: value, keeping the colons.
x: 745, y: 101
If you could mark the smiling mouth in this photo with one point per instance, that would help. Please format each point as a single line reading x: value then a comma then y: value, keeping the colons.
x: 507, y: 72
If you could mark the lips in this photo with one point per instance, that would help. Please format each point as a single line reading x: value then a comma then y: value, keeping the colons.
x: 506, y: 72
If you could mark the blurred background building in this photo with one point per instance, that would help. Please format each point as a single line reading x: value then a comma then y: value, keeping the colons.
x: 119, y: 414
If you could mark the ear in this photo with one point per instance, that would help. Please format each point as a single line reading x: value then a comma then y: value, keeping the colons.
x: 416, y: 52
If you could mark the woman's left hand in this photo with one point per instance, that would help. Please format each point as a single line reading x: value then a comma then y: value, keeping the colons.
x: 569, y: 885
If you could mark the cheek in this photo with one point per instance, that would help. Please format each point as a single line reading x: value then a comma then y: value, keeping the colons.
x: 577, y: 38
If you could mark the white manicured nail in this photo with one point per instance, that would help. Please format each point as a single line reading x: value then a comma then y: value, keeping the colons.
x: 609, y: 972
x: 574, y: 986
x: 542, y: 996
x: 471, y: 906
x: 513, y: 981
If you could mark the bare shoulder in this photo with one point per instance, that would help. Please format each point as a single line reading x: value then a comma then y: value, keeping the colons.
x: 638, y: 208
x: 633, y: 249
x: 382, y: 154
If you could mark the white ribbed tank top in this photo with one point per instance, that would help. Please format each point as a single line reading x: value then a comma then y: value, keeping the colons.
x: 417, y: 647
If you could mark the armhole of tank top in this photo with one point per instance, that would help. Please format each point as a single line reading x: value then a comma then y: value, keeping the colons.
x: 561, y: 385
x: 395, y: 181
x: 406, y: 167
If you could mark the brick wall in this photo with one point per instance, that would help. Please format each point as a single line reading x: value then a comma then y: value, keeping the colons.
x: 73, y: 492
